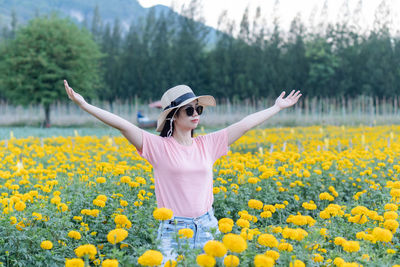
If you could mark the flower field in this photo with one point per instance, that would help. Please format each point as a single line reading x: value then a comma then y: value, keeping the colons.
x: 307, y: 196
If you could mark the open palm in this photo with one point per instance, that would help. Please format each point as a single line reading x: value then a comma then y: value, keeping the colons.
x: 288, y: 101
x: 77, y: 98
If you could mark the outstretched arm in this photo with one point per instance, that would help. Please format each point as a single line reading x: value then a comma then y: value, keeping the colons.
x: 129, y: 130
x: 235, y: 131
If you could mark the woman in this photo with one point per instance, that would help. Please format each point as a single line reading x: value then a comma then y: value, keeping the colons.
x: 183, y: 165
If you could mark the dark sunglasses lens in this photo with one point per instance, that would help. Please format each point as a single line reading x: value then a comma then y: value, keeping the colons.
x: 199, y: 110
x: 189, y: 111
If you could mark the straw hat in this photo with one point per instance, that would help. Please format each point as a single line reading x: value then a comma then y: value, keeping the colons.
x: 179, y: 96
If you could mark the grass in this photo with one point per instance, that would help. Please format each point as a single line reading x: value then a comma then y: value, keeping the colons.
x: 309, y: 111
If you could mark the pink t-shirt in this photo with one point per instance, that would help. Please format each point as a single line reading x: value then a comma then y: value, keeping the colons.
x: 183, y: 175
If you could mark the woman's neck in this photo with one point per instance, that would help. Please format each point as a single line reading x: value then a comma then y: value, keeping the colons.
x: 183, y: 137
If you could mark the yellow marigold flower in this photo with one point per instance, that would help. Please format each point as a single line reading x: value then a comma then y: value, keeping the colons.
x: 297, y: 263
x: 110, y: 263
x: 391, y: 225
x: 394, y: 192
x: 225, y: 227
x: 351, y: 246
x: 75, y: 235
x: 134, y: 184
x: 273, y: 254
x: 46, y: 244
x: 216, y: 190
x: 263, y: 261
x: 231, y: 261
x: 285, y: 247
x: 170, y: 263
x: 150, y: 258
x: 205, y: 260
x: 185, y: 232
x: 270, y: 208
x: 326, y: 196
x: 360, y: 235
x: 391, y: 251
x: 245, y: 215
x: 102, y: 197
x: 323, y: 231
x: 55, y: 200
x: 121, y: 219
x: 215, y: 248
x: 267, y: 240
x: 243, y: 223
x: 365, y: 257
x: 318, y: 258
x: 226, y: 220
x: 339, y: 241
x: 338, y: 261
x: 20, y: 206
x: 77, y: 218
x: 309, y: 206
x: 234, y: 243
x: 74, y: 263
x: 87, y: 249
x: 123, y: 203
x: 253, y: 180
x: 162, y: 214
x: 117, y: 235
x: 391, y: 206
x: 382, y: 235
x: 277, y: 229
x: 247, y: 234
x: 100, y: 180
x: 62, y: 207
x: 125, y: 179
x: 37, y: 216
x: 297, y: 220
x: 99, y: 203
x: 266, y: 214
x: 94, y: 212
x: 13, y: 220
x: 390, y: 215
x: 123, y: 246
x: 255, y: 204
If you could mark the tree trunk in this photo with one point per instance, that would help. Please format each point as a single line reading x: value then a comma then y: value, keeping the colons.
x: 46, y: 123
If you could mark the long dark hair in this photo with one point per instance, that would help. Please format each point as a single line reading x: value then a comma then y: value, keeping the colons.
x: 167, y: 124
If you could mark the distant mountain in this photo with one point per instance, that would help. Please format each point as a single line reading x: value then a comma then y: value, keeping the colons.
x: 127, y: 11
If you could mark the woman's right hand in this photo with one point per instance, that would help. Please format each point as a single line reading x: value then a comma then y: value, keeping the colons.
x: 77, y: 98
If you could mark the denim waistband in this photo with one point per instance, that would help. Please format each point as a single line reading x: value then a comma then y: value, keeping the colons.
x: 209, y: 214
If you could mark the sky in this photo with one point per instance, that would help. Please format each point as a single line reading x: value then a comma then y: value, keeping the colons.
x: 287, y: 10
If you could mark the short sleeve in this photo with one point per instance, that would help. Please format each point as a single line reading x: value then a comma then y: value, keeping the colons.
x: 153, y: 147
x: 217, y: 143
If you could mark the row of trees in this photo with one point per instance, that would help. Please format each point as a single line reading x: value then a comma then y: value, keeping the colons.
x: 105, y: 62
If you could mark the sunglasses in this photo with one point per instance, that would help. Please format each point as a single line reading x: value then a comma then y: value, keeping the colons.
x: 190, y: 110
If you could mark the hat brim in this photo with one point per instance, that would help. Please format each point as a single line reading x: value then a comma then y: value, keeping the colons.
x: 204, y: 100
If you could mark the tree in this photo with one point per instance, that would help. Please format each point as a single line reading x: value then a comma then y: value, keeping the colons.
x: 46, y: 51
x: 111, y: 47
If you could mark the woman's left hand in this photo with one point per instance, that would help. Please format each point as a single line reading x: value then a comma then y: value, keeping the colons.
x: 289, y: 101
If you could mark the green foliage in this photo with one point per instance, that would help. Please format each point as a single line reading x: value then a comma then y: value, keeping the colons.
x: 162, y: 50
x: 46, y: 51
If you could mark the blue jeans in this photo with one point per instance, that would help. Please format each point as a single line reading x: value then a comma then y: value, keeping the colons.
x: 201, y: 227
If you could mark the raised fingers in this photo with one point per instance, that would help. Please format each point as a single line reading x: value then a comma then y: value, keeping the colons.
x: 291, y: 94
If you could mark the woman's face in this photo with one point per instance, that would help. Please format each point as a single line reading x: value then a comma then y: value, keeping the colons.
x: 185, y: 122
